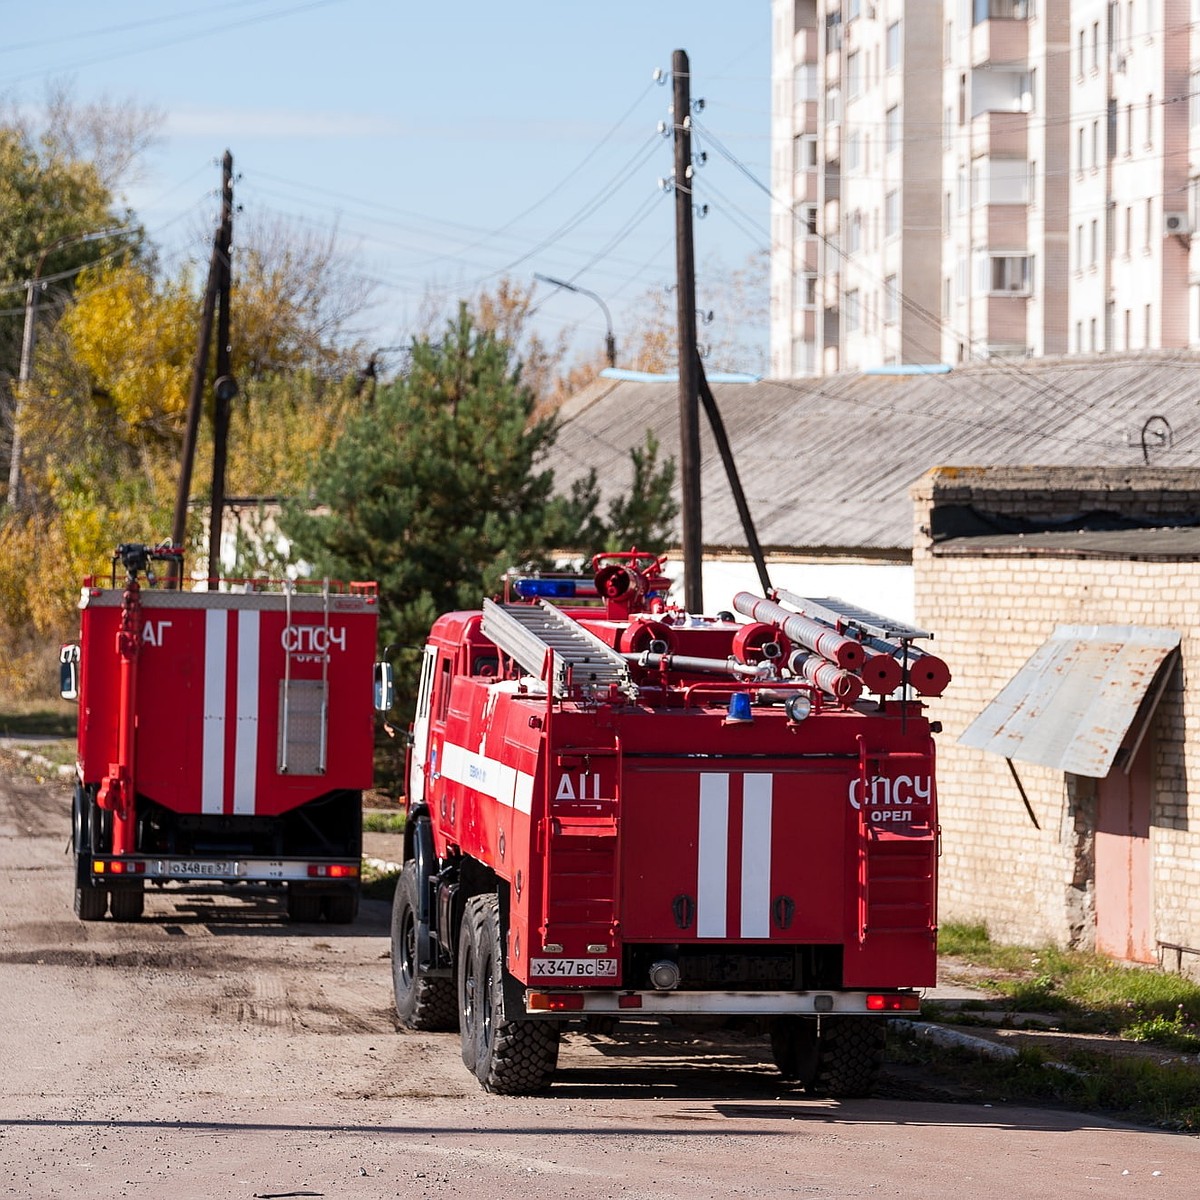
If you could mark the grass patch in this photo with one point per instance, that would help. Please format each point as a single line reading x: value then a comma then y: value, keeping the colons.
x: 383, y: 822
x: 27, y: 720
x: 1092, y: 992
x: 377, y: 884
x: 1080, y: 992
x: 1164, y: 1094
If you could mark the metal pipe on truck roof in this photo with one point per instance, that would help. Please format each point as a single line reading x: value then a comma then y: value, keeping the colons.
x: 845, y: 652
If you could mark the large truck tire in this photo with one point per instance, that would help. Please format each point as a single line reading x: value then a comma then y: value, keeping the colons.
x: 514, y: 1056
x: 341, y: 908
x: 303, y: 904
x: 127, y: 903
x: 91, y: 903
x: 466, y: 977
x: 849, y: 1056
x: 794, y: 1048
x: 423, y: 1002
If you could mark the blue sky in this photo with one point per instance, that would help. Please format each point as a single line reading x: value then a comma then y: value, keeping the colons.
x: 447, y: 143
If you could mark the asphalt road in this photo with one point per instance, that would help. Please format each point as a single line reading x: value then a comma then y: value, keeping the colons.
x: 212, y: 1050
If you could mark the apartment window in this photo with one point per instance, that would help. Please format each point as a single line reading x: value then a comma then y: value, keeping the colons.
x: 1092, y: 335
x: 1146, y: 332
x: 833, y: 106
x: 853, y: 74
x: 1128, y: 130
x: 1194, y: 99
x: 1012, y: 10
x: 1031, y: 184
x: 1128, y: 230
x: 1007, y: 274
x: 947, y: 209
x: 1149, y: 223
x: 1078, y: 337
x: 891, y: 301
x: 893, y: 128
x: 806, y: 291
x: 1149, y: 122
x: 833, y: 32
x: 1095, y: 145
x: 947, y: 128
x: 854, y: 232
x: 1079, y: 55
x: 851, y: 312
x: 853, y: 9
x: 804, y: 152
x: 891, y: 214
x: 808, y: 219
x: 1079, y: 247
x: 853, y: 150
x: 1001, y: 181
x: 1095, y: 243
x: 804, y: 83
x: 1096, y: 46
x: 892, y: 51
x: 1079, y: 143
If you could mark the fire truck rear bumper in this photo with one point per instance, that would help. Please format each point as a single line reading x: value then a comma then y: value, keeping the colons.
x: 225, y: 870
x: 632, y: 1003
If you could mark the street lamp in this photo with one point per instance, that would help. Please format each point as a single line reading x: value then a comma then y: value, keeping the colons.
x: 32, y: 286
x: 610, y: 343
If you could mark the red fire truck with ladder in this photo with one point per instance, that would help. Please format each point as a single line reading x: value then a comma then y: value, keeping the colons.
x: 622, y: 811
x: 224, y: 739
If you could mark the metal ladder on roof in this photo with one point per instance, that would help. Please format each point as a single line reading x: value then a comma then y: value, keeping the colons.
x: 525, y: 632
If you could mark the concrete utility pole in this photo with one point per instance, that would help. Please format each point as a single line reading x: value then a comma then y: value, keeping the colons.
x: 689, y: 357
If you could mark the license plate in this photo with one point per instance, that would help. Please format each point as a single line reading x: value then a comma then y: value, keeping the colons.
x: 574, y: 968
x: 199, y: 869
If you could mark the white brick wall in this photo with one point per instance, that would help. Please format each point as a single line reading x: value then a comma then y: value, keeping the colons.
x: 989, y: 614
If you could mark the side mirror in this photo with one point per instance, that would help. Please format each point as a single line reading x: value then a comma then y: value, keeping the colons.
x: 68, y: 672
x: 385, y: 688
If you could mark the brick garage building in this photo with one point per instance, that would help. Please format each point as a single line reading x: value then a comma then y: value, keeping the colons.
x: 1094, y: 575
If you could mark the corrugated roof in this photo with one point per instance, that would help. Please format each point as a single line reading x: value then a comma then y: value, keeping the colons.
x: 1072, y: 703
x: 827, y: 463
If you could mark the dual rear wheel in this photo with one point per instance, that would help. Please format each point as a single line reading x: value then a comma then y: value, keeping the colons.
x: 512, y: 1056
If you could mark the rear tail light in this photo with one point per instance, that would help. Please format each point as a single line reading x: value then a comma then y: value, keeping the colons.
x: 332, y: 871
x: 557, y: 1002
x: 893, y: 1002
x: 100, y: 867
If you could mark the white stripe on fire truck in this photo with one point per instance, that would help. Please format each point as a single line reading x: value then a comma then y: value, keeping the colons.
x: 713, y: 855
x: 245, y: 748
x: 756, y: 855
x: 212, y: 771
x: 505, y: 785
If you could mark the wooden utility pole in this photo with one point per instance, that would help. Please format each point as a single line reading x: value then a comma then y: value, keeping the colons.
x: 220, y: 253
x: 689, y: 356
x: 225, y: 387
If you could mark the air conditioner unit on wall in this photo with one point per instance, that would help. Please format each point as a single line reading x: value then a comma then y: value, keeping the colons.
x: 1176, y: 222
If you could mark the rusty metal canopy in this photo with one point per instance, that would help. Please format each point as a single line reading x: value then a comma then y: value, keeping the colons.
x: 1071, y: 705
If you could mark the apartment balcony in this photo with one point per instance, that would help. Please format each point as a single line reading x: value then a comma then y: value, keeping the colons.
x: 805, y: 187
x: 1000, y: 134
x: 806, y: 47
x: 1000, y: 319
x: 808, y: 251
x: 804, y: 324
x: 1000, y: 225
x: 999, y: 41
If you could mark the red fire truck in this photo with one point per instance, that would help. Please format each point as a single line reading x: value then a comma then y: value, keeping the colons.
x: 622, y: 811
x: 225, y: 736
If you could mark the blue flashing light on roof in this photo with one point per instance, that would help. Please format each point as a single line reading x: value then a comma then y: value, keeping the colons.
x: 554, y: 589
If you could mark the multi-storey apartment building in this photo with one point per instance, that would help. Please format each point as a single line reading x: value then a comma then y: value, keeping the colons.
x: 966, y: 179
